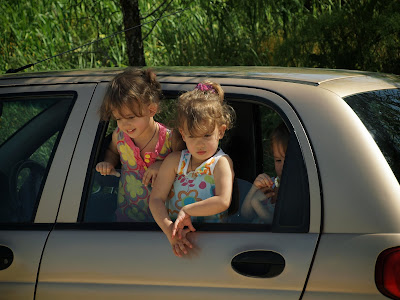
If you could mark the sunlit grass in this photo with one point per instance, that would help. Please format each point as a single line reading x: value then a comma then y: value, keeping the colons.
x: 328, y: 33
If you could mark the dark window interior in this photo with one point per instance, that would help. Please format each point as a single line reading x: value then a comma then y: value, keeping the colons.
x: 28, y: 142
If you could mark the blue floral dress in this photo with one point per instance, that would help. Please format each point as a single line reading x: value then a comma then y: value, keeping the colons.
x: 194, y: 186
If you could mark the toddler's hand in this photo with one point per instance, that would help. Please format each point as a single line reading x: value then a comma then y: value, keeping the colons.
x: 182, y: 245
x: 182, y: 220
x: 151, y: 173
x: 105, y: 168
x: 263, y: 181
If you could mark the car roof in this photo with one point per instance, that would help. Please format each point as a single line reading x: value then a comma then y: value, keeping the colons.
x: 341, y: 82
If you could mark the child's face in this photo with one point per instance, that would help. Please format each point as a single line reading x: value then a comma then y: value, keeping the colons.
x: 131, y: 124
x: 205, y: 145
x: 279, y: 157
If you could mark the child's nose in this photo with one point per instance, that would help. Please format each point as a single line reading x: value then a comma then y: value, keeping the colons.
x: 201, y: 142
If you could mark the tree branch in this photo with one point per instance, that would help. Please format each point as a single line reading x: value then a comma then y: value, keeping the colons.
x: 155, y: 10
x: 155, y: 23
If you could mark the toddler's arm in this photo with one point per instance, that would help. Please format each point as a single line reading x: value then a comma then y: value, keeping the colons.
x: 158, y: 196
x: 262, y: 188
x: 111, y: 158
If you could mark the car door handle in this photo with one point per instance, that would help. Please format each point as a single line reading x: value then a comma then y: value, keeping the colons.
x: 258, y: 263
x: 6, y: 257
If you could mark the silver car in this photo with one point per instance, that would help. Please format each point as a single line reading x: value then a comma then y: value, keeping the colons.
x: 335, y: 233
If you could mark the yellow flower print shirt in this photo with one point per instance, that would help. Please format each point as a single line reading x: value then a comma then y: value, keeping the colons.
x: 194, y: 186
x: 133, y: 196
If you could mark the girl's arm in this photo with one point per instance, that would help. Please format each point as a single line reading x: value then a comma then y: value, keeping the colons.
x: 111, y: 158
x: 158, y: 196
x: 247, y: 208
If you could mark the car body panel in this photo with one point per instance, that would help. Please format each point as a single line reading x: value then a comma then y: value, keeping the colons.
x: 126, y: 259
x: 350, y: 260
x: 359, y: 84
x: 18, y: 281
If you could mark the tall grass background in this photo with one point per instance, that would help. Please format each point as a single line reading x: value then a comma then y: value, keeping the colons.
x: 352, y: 34
x: 35, y: 30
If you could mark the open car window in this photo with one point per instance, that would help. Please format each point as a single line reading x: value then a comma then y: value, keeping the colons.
x: 249, y: 146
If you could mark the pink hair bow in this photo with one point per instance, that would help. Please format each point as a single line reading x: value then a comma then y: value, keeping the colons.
x: 205, y: 87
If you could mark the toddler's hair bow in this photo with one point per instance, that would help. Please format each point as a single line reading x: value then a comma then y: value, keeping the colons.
x: 205, y: 87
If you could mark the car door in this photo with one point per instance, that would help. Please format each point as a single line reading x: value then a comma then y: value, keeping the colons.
x: 239, y: 259
x: 38, y: 131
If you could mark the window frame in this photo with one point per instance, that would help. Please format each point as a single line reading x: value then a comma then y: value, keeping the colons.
x: 138, y: 226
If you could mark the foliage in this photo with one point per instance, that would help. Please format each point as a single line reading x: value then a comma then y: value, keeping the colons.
x: 35, y: 30
x: 361, y: 35
x: 351, y: 34
x: 17, y: 114
x: 211, y: 33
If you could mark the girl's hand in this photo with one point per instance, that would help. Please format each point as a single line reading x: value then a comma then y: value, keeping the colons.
x: 106, y: 168
x: 263, y: 181
x: 268, y: 192
x: 151, y: 173
x: 182, y: 245
x: 182, y: 220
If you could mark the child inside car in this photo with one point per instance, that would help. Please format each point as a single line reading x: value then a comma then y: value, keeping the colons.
x: 259, y: 204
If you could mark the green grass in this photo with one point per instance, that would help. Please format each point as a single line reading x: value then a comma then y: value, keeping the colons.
x: 35, y: 30
x: 351, y: 34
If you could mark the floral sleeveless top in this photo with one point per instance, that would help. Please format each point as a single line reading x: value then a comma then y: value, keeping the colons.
x: 194, y: 186
x: 133, y: 196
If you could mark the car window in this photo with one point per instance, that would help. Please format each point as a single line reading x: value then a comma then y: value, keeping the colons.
x: 29, y: 129
x: 380, y: 113
x: 249, y: 146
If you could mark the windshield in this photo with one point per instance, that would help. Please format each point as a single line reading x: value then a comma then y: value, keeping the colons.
x: 380, y: 113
